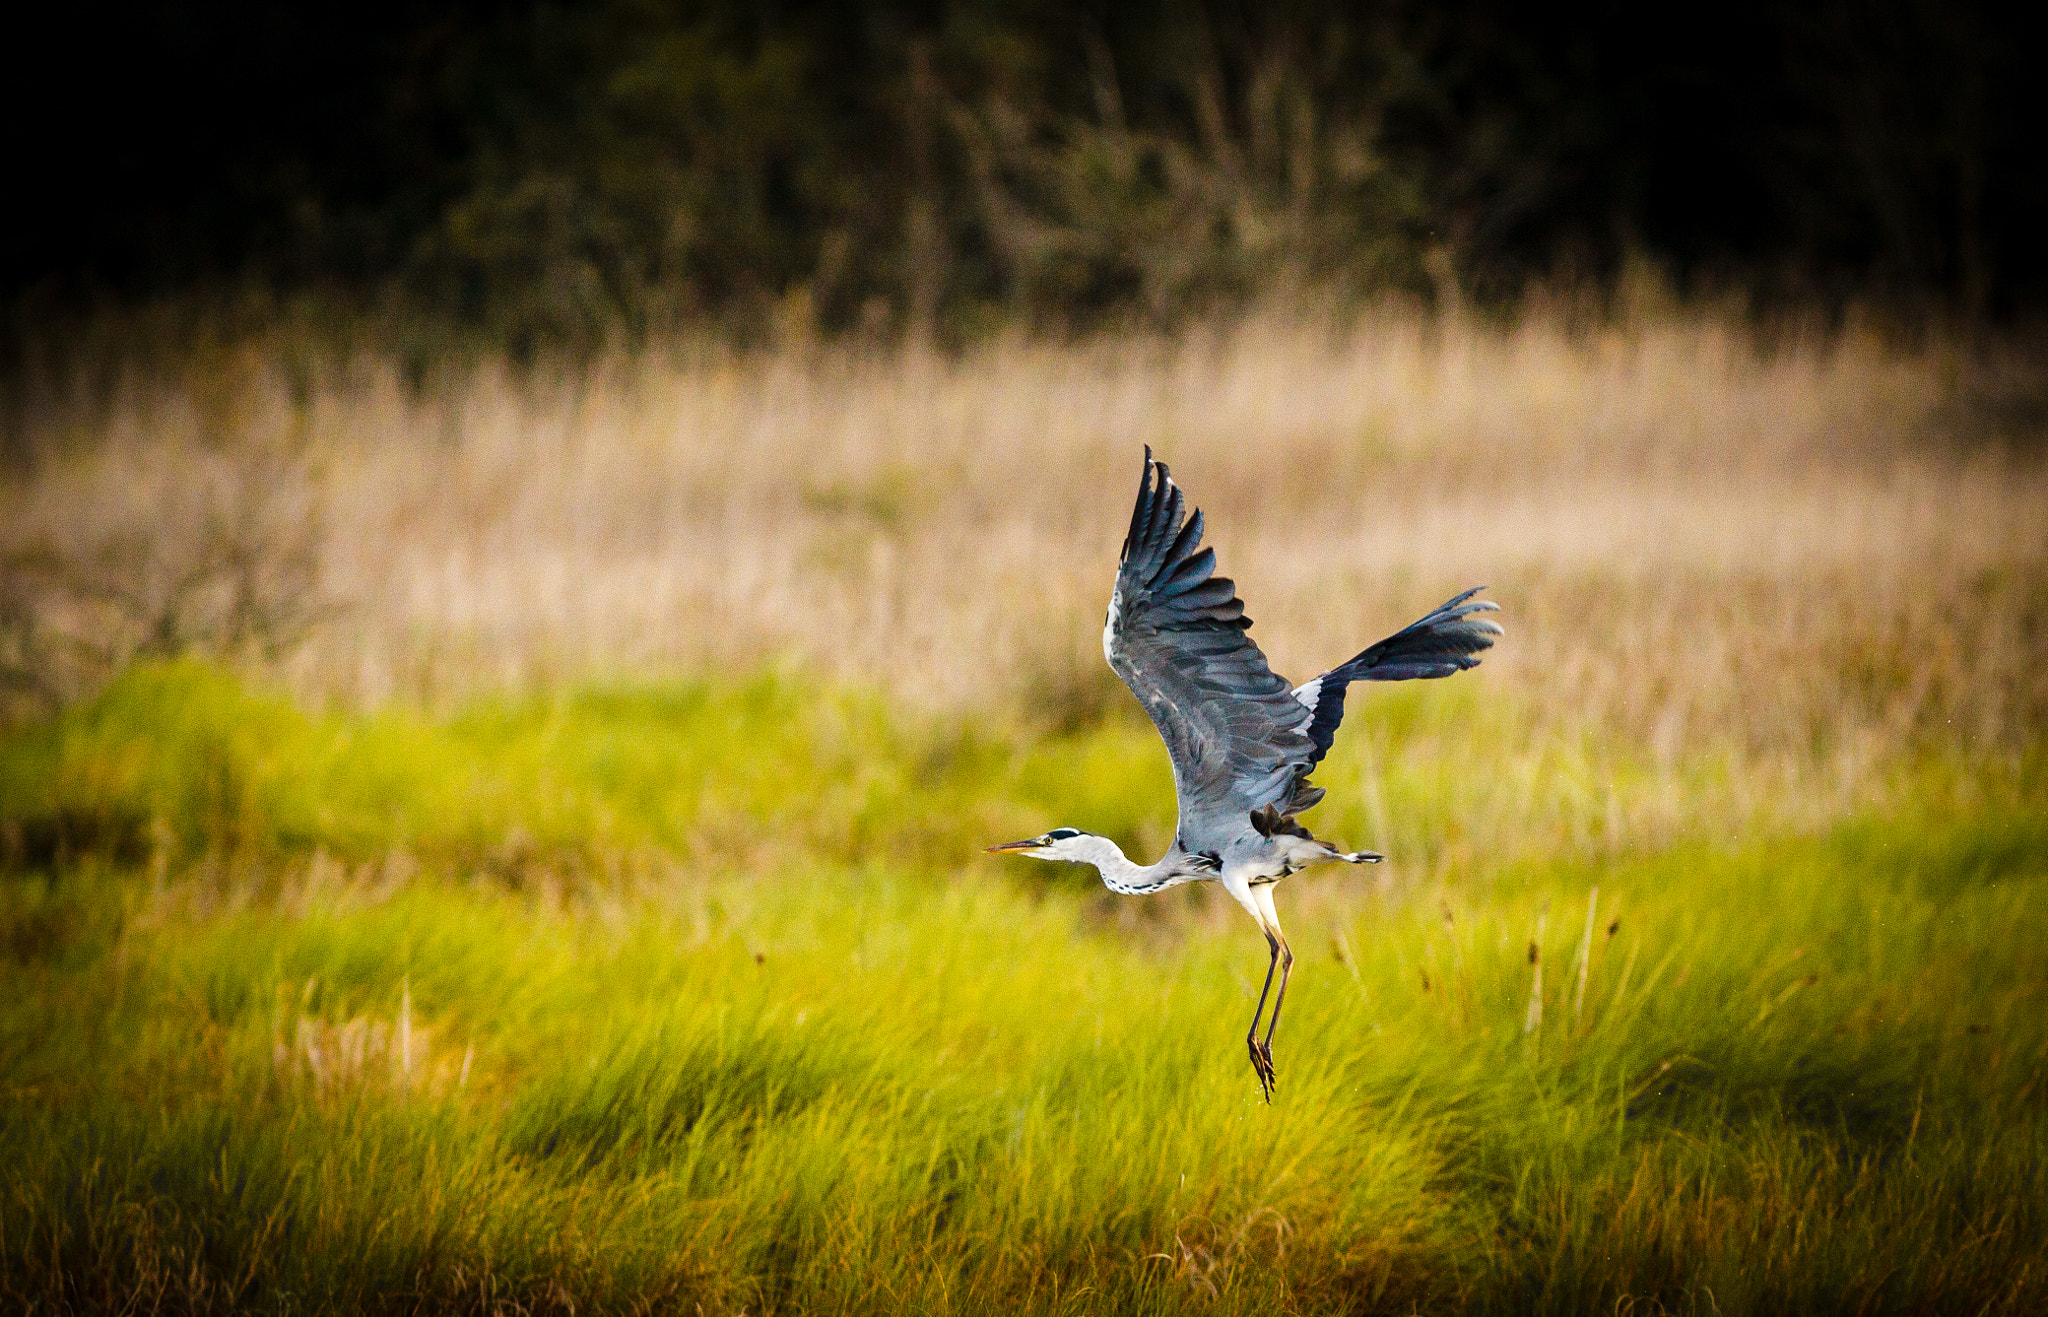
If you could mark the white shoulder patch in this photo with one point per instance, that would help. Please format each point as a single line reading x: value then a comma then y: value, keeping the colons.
x: 1309, y: 692
x: 1116, y: 599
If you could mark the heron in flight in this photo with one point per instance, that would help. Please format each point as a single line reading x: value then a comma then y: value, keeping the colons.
x: 1243, y: 742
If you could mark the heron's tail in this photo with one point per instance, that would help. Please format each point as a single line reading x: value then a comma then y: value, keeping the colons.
x: 1362, y: 857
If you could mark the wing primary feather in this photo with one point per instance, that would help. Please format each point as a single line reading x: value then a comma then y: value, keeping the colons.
x: 1184, y: 545
x: 1166, y: 505
x: 1443, y: 642
x: 1141, y: 510
x: 1189, y: 574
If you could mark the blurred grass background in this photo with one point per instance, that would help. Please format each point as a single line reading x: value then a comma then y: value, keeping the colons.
x: 538, y: 541
x: 513, y: 844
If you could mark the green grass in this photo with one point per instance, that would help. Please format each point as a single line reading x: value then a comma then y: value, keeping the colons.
x: 701, y: 996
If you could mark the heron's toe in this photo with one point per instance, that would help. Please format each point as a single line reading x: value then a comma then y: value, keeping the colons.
x: 1262, y: 1066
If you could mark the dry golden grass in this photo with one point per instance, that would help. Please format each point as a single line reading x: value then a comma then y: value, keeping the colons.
x: 1818, y: 554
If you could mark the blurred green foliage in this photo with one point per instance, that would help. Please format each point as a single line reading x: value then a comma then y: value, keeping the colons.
x: 900, y: 172
x: 553, y: 174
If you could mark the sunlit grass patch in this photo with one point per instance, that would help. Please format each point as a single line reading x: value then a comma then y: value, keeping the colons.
x: 833, y: 1088
x: 186, y: 759
x: 624, y: 784
x: 662, y: 996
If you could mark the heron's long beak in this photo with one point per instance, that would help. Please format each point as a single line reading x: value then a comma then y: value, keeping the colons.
x: 1029, y: 843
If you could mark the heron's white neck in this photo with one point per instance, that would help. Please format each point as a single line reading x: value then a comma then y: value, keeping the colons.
x: 1120, y: 874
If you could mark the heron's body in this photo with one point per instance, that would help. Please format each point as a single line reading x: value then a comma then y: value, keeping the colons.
x: 1242, y: 741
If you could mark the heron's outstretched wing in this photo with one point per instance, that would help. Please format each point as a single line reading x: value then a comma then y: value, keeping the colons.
x: 1438, y: 645
x: 1176, y: 635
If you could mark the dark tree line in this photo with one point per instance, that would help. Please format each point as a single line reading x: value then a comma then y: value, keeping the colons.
x: 563, y: 172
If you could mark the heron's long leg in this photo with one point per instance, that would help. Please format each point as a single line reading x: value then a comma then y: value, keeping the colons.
x: 1279, y: 998
x: 1262, y: 1058
x: 1269, y: 918
x: 1247, y: 896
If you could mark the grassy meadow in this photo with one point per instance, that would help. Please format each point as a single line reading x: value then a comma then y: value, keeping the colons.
x: 511, y: 842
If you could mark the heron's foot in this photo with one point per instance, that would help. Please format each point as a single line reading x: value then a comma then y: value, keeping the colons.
x: 1262, y: 1065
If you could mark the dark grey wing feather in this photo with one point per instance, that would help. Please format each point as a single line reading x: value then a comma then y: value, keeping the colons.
x: 1176, y: 635
x: 1446, y: 641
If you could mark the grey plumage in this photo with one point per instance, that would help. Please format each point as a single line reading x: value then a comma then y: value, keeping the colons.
x: 1177, y: 635
x: 1241, y: 740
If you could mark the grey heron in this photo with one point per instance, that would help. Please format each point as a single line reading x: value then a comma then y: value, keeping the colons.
x: 1242, y: 741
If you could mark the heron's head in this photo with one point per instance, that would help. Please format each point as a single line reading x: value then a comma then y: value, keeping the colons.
x: 1059, y: 844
